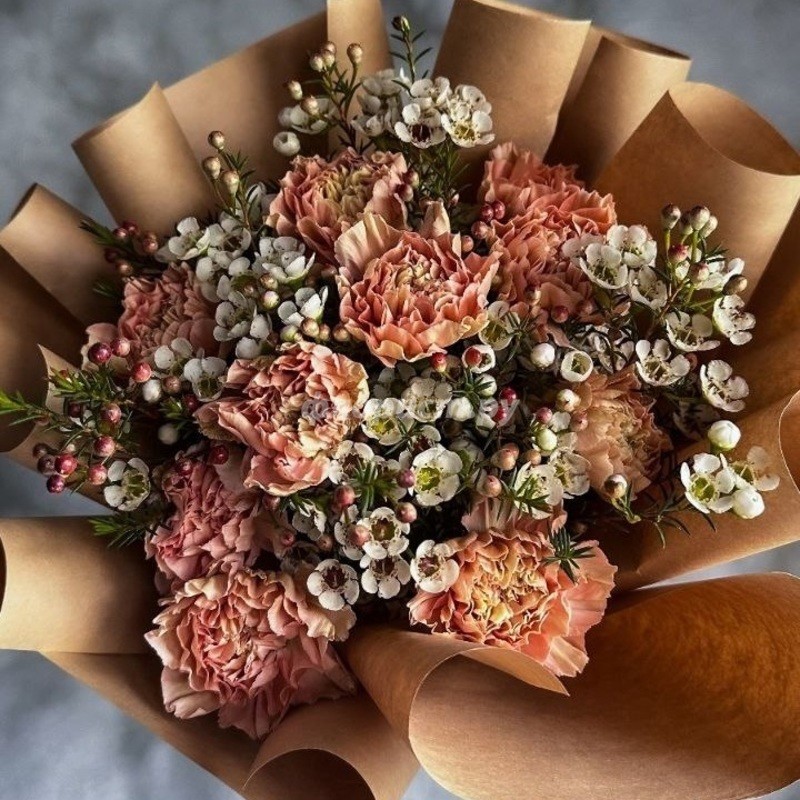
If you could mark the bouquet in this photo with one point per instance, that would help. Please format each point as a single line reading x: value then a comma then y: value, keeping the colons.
x: 393, y: 407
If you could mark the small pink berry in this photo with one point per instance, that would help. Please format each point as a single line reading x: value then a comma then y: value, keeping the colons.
x: 141, y: 372
x: 97, y: 474
x: 473, y: 357
x: 100, y: 353
x: 344, y: 496
x: 129, y: 226
x: 406, y: 512
x: 508, y: 394
x: 218, y: 455
x: 46, y: 465
x: 190, y: 403
x: 66, y: 464
x: 120, y: 347
x: 40, y: 450
x: 121, y: 233
x: 111, y: 413
x: 105, y: 446
x: 56, y: 484
x: 544, y: 415
x: 406, y: 478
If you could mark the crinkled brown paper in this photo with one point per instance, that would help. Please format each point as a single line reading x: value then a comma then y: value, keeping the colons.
x: 691, y: 690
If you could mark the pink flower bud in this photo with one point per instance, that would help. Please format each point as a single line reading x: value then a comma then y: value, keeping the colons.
x: 66, y: 464
x: 141, y: 372
x: 97, y: 474
x: 99, y: 353
x: 105, y: 446
x: 56, y: 484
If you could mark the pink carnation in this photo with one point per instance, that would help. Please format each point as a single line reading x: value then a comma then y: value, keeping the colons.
x: 212, y: 526
x: 247, y: 645
x: 622, y: 435
x: 509, y: 595
x: 291, y: 413
x: 410, y: 294
x: 319, y: 200
x: 155, y: 311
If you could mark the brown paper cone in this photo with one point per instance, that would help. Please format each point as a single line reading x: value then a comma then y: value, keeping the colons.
x: 622, y: 81
x: 242, y: 95
x: 66, y: 590
x: 29, y: 316
x: 521, y: 59
x: 374, y: 654
x: 643, y: 560
x: 701, y: 145
x: 690, y: 692
x: 143, y: 167
x: 45, y: 239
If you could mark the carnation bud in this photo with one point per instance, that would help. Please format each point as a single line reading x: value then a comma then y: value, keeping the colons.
x: 131, y: 227
x: 100, y: 353
x: 105, y: 446
x: 141, y: 372
x: 670, y: 215
x: 699, y: 217
x: 735, y: 285
x: 543, y: 355
x: 217, y: 140
x: 355, y: 52
x: 406, y: 512
x: 230, y: 180
x: 724, y: 435
x: 616, y: 486
x: 168, y: 434
x: 56, y: 484
x: 490, y: 486
x: 295, y: 90
x: 677, y: 254
x: 97, y: 474
x: 567, y: 400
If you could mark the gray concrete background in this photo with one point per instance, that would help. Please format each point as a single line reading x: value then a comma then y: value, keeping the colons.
x: 67, y: 64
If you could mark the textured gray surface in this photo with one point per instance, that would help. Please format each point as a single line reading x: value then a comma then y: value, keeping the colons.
x: 67, y: 65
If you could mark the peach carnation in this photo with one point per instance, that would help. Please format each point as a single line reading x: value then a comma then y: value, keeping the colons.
x: 410, y: 294
x: 212, y: 526
x: 247, y: 645
x: 319, y: 200
x: 291, y: 412
x: 508, y: 594
x: 622, y: 435
x: 157, y: 311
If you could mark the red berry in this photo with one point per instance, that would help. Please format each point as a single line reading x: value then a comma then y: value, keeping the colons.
x: 131, y: 227
x: 56, y: 484
x: 105, y: 446
x: 46, y: 465
x: 121, y: 233
x: 99, y: 353
x: 97, y: 474
x: 486, y: 213
x: 190, y: 403
x: 111, y: 413
x: 141, y: 372
x: 149, y: 245
x: 502, y: 414
x: 499, y: 209
x: 473, y: 357
x: 66, y: 464
x: 40, y: 450
x: 508, y: 395
x: 218, y: 455
x: 120, y: 347
x: 439, y: 361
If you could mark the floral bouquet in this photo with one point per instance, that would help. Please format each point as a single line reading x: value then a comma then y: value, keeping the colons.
x: 393, y: 404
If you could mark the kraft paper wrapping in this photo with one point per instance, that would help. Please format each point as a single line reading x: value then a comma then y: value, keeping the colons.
x: 690, y: 691
x: 44, y: 237
x: 64, y: 589
x: 521, y: 59
x: 143, y: 167
x: 703, y: 145
x: 621, y: 80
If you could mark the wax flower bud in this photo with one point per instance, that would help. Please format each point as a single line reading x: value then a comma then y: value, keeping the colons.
x: 295, y: 90
x: 724, y: 435
x: 543, y: 355
x: 217, y: 140
x: 670, y: 215
x: 699, y: 217
x: 616, y: 486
